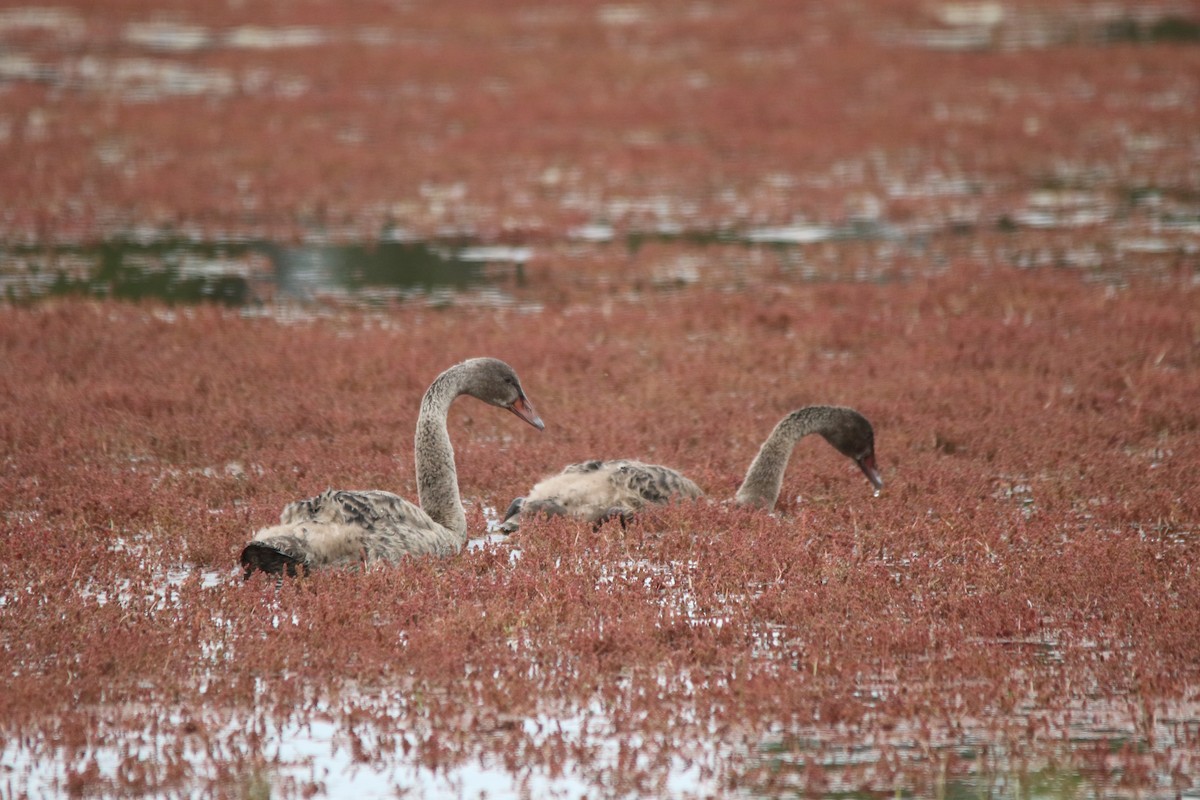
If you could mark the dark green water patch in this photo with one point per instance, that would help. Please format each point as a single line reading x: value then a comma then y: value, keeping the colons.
x: 252, y: 272
x: 1165, y: 29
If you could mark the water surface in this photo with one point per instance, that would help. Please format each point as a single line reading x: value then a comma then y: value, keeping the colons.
x: 240, y: 273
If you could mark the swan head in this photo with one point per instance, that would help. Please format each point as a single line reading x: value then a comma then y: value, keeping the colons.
x: 852, y: 435
x: 496, y: 383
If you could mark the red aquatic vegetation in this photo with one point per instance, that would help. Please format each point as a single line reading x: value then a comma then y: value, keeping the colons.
x: 500, y: 120
x: 1014, y: 310
x: 1034, y: 432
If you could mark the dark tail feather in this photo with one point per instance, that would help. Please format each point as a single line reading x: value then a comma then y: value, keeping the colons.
x: 260, y: 555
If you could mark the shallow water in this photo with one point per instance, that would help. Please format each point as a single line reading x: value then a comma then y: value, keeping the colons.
x: 321, y: 755
x: 967, y: 26
x: 1077, y: 230
x: 1078, y: 752
x: 331, y: 751
x: 348, y: 743
x: 246, y: 273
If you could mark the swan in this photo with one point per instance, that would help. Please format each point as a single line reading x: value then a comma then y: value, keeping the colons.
x: 599, y: 490
x: 342, y: 527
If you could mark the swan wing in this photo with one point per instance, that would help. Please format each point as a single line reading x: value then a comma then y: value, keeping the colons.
x: 653, y: 483
x: 367, y: 509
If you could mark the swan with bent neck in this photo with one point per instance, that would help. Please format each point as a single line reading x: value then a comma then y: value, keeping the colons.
x: 599, y: 490
x: 345, y: 527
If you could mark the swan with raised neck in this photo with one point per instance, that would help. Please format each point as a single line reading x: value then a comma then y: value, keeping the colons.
x: 600, y: 490
x: 343, y: 527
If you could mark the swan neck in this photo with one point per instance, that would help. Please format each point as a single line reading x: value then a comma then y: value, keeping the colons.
x: 437, y: 479
x: 764, y: 478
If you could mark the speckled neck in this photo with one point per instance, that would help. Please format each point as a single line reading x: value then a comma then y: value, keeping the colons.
x: 764, y: 479
x: 437, y: 479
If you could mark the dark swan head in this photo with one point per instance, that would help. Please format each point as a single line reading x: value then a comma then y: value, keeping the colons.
x: 852, y: 435
x: 496, y: 383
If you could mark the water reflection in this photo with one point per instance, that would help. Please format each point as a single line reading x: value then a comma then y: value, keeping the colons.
x: 1094, y: 747
x: 353, y: 746
x: 1145, y: 234
x: 253, y: 272
x: 975, y: 25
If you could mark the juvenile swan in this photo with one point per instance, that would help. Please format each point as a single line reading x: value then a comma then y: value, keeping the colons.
x: 340, y: 526
x: 600, y: 490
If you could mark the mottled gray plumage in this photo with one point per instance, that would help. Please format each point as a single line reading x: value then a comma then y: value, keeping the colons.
x: 599, y: 490
x: 342, y: 527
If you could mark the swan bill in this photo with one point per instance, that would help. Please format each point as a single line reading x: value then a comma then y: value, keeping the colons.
x: 871, y: 470
x: 524, y: 409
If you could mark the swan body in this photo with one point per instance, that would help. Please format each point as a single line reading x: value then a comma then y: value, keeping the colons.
x: 342, y: 527
x: 600, y: 490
